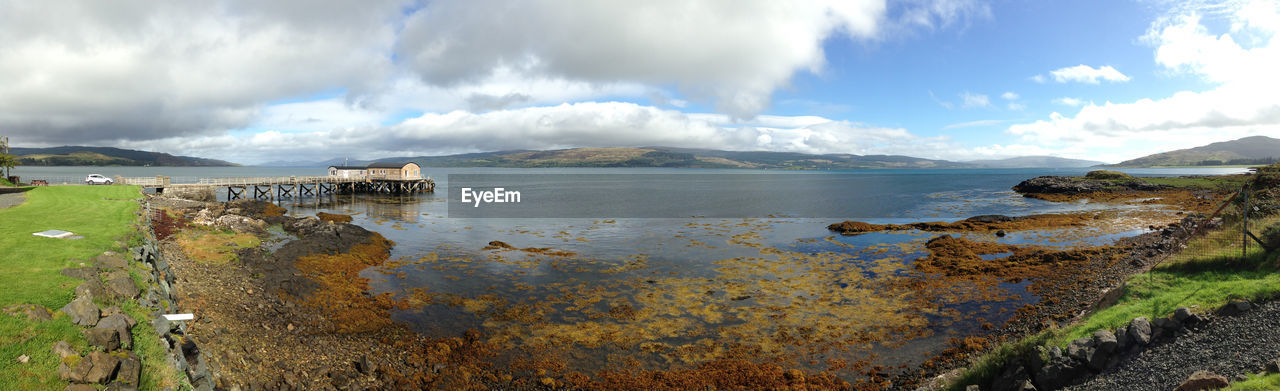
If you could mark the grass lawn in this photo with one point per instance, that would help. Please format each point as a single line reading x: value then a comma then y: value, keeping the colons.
x: 105, y: 216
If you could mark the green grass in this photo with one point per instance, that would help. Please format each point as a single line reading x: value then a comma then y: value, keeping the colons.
x: 1258, y: 382
x: 5, y: 182
x: 104, y: 215
x: 1205, y: 275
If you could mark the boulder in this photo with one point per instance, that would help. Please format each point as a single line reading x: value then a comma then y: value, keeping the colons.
x: 1105, y: 341
x: 112, y: 261
x: 240, y: 224
x: 1203, y: 380
x: 103, y: 367
x: 1140, y: 331
x: 1181, y: 314
x: 1059, y: 372
x: 130, y: 371
x: 121, y: 285
x: 82, y: 311
x: 120, y: 324
x: 82, y: 273
x: 33, y: 312
x: 1012, y: 378
x: 93, y: 288
x: 63, y: 349
x: 79, y: 387
x: 105, y: 338
x: 1122, y: 338
x: 74, y: 368
x: 1081, y: 349
x: 1235, y: 308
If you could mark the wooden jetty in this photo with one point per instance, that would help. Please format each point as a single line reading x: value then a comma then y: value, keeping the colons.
x: 273, y: 188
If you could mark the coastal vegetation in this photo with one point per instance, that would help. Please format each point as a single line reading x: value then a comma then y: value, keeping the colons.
x: 104, y: 216
x: 1208, y: 273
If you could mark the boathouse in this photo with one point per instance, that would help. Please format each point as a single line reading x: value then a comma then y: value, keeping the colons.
x: 348, y: 172
x: 395, y: 170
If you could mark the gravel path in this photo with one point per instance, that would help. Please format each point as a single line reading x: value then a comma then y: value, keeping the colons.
x: 11, y: 199
x: 1228, y: 346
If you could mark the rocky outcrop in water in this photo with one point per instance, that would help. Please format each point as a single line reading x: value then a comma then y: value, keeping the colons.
x: 1053, y: 184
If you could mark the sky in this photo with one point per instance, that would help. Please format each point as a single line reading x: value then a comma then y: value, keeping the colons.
x: 308, y: 80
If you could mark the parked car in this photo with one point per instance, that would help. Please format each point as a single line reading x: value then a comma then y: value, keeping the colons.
x: 97, y: 179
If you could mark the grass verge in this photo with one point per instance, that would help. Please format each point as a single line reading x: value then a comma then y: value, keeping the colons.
x: 105, y: 217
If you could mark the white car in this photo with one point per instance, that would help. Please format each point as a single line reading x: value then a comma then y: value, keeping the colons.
x: 96, y: 179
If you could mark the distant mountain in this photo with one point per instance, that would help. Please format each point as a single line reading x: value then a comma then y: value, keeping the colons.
x: 673, y: 157
x: 1248, y: 150
x: 325, y: 163
x: 1035, y: 162
x: 106, y: 156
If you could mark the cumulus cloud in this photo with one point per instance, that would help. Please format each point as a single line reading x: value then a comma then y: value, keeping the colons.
x: 1010, y: 95
x: 1242, y: 103
x: 87, y: 72
x: 1087, y: 74
x: 588, y: 124
x: 731, y: 54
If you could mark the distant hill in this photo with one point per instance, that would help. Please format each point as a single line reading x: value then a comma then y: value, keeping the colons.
x: 1035, y: 162
x: 106, y: 156
x: 1248, y: 150
x: 673, y: 157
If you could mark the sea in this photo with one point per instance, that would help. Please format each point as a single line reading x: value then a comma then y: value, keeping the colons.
x: 656, y: 268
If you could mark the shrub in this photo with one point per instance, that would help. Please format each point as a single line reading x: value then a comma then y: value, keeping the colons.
x: 1107, y: 174
x: 1271, y: 237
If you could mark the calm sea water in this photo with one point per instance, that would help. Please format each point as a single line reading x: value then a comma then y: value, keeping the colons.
x: 762, y: 275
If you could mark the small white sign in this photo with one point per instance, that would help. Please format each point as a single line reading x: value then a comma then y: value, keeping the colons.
x: 53, y: 233
x: 173, y: 317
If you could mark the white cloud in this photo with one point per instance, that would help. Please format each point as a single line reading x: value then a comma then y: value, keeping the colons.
x: 971, y: 124
x: 590, y: 124
x: 1010, y: 95
x: 1016, y: 106
x: 1243, y: 101
x: 1068, y: 101
x: 1039, y: 79
x: 1087, y: 74
x: 974, y: 100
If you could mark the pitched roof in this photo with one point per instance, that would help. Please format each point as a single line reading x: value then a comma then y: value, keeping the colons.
x: 390, y: 164
x: 347, y: 167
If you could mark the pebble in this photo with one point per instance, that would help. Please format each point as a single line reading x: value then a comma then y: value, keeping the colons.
x: 23, y: 359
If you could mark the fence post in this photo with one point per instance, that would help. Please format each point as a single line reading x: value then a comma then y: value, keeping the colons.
x: 1244, y: 226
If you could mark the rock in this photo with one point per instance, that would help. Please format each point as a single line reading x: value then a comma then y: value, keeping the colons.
x: 1235, y: 308
x: 33, y: 312
x: 1122, y: 338
x: 93, y: 288
x: 1011, y: 378
x: 113, y: 261
x: 1059, y: 372
x: 1105, y: 341
x: 82, y: 311
x: 103, y: 367
x: 74, y: 369
x: 121, y: 285
x: 1203, y: 380
x: 23, y: 359
x: 130, y: 371
x: 119, y: 324
x: 63, y: 349
x: 1140, y: 331
x: 112, y: 310
x: 118, y: 386
x: 240, y: 224
x: 1000, y: 233
x: 973, y: 387
x: 82, y: 273
x: 1181, y: 314
x: 990, y: 219
x: 1273, y: 365
x: 105, y: 338
x: 1081, y: 349
x: 202, y: 194
x: 364, y: 366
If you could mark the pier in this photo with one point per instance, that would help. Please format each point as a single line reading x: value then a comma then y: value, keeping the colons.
x: 273, y: 188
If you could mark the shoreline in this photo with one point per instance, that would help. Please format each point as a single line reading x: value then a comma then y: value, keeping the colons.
x: 353, y: 366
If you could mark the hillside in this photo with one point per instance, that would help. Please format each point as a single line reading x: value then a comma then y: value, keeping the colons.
x: 1248, y: 150
x: 106, y: 156
x: 1035, y: 162
x: 673, y: 157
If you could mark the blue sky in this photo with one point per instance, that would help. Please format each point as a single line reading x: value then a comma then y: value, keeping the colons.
x: 950, y: 79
